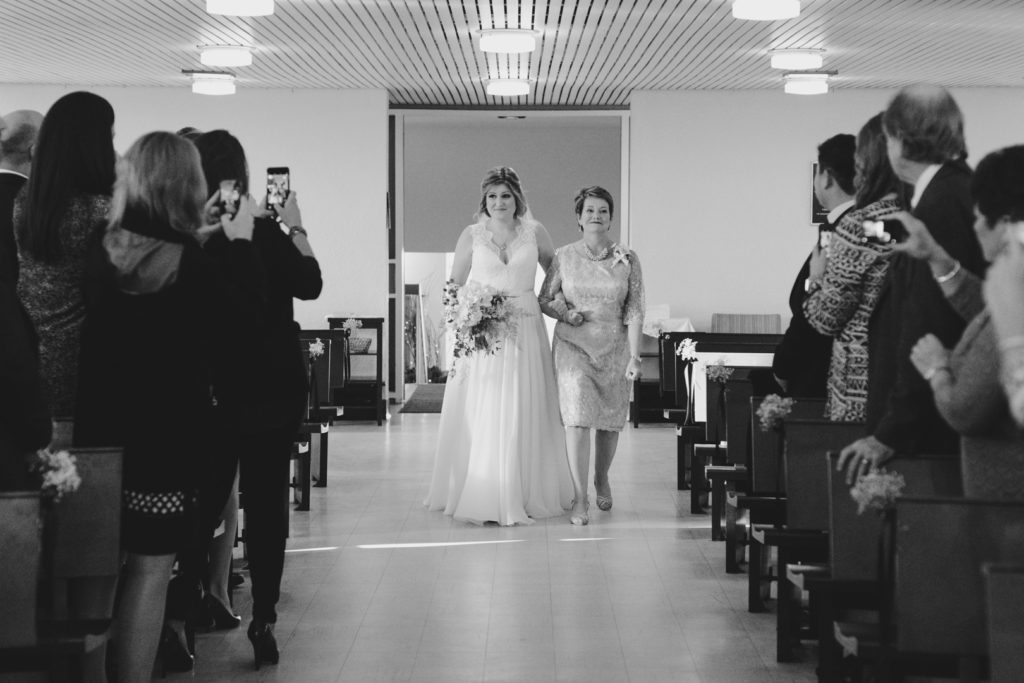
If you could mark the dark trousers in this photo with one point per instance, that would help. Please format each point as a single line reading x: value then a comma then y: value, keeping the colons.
x: 264, y: 458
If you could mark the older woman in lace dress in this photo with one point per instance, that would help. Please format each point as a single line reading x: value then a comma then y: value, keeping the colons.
x: 595, y: 290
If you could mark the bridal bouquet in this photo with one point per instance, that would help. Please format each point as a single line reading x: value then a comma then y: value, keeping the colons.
x: 877, y: 490
x: 480, y: 317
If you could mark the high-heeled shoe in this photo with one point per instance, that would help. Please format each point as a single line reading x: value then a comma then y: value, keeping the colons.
x: 604, y: 502
x: 221, y: 616
x: 175, y: 655
x: 580, y: 518
x: 264, y: 646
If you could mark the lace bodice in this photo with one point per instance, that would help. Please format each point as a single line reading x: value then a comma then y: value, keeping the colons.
x: 519, y: 273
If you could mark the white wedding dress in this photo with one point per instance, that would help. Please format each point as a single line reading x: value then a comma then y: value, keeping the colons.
x: 501, y: 446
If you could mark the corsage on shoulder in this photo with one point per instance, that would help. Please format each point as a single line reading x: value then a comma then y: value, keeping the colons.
x: 620, y: 255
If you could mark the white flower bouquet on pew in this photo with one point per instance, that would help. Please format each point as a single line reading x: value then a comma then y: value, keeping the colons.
x: 877, y: 490
x: 772, y: 410
x: 59, y: 473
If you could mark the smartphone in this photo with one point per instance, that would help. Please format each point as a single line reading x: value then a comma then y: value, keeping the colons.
x: 886, y: 231
x: 278, y: 185
x: 229, y: 196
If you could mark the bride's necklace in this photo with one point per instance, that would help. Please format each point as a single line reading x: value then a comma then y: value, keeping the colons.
x: 599, y: 256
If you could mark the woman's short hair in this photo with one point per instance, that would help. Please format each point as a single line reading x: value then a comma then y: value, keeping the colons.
x: 835, y: 155
x: 998, y: 185
x: 928, y: 123
x: 502, y: 175
x: 160, y: 177
x: 597, y: 192
x: 877, y: 178
x: 223, y: 159
x: 74, y: 153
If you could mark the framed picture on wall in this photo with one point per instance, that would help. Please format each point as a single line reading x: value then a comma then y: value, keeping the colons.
x: 818, y: 213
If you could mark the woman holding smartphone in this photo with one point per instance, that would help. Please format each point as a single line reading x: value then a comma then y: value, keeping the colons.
x: 262, y: 391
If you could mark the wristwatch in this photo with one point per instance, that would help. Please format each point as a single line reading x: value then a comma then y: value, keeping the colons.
x: 297, y: 230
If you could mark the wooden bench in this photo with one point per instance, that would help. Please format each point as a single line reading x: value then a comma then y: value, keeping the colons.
x: 81, y: 562
x: 327, y: 372
x: 850, y: 596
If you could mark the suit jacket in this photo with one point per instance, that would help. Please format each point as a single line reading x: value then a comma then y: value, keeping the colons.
x: 803, y: 356
x: 10, y: 185
x: 900, y: 409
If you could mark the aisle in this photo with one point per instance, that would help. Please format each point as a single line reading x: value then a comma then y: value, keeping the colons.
x: 640, y: 595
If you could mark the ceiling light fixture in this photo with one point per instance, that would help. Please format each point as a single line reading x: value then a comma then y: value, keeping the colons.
x: 797, y: 60
x: 241, y: 8
x: 765, y: 10
x: 225, y: 55
x: 508, y: 40
x: 508, y: 87
x: 806, y: 83
x: 212, y: 83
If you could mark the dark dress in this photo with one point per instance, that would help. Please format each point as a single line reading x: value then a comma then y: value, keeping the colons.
x: 900, y: 410
x: 52, y: 294
x: 156, y: 306
x: 261, y: 396
x: 10, y: 186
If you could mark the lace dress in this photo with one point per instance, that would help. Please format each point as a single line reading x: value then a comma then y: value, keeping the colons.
x: 590, y: 360
x: 501, y: 447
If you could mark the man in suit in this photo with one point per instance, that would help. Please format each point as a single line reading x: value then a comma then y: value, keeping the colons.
x: 17, y: 137
x: 802, y: 358
x: 925, y: 142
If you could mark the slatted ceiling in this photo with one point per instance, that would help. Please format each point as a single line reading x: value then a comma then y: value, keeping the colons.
x: 591, y: 53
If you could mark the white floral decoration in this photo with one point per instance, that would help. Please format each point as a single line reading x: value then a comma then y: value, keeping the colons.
x: 316, y: 348
x: 59, y: 471
x: 687, y: 349
x: 352, y: 324
x: 620, y: 255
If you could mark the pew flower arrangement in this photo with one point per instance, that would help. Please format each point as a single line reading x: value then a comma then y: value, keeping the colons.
x: 351, y: 324
x: 316, y: 349
x: 59, y: 473
x: 480, y: 317
x: 877, y: 490
x: 772, y: 410
x: 718, y: 372
x: 687, y: 352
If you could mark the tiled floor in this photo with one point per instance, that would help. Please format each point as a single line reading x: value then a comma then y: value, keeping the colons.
x: 640, y: 595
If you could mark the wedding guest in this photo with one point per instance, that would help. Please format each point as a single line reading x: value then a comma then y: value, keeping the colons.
x: 846, y: 279
x: 1003, y: 287
x: 262, y: 390
x: 925, y: 143
x: 594, y: 288
x: 154, y: 301
x: 801, y: 360
x: 25, y: 424
x: 965, y: 381
x: 63, y: 206
x: 18, y: 131
x: 500, y: 454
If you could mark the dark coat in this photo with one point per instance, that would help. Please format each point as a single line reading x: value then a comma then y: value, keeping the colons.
x: 900, y: 409
x: 10, y: 186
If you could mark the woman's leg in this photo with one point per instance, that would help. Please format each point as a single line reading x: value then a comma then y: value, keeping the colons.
x: 605, y: 444
x: 221, y: 548
x: 140, y: 615
x: 577, y: 444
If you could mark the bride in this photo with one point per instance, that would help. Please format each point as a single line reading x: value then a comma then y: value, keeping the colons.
x: 501, y: 447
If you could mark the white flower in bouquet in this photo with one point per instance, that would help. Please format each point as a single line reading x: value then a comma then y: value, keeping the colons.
x: 877, y: 490
x: 59, y: 472
x: 480, y: 317
x: 687, y: 349
x: 316, y: 348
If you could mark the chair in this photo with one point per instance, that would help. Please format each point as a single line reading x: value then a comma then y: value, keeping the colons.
x: 747, y: 323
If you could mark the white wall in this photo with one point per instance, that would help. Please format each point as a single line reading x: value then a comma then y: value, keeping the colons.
x: 720, y: 186
x: 335, y: 143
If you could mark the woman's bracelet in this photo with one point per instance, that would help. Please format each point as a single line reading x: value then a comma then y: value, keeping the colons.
x: 943, y: 279
x: 931, y: 372
x: 297, y: 230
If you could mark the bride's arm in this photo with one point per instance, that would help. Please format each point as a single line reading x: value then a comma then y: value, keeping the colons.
x: 463, y: 258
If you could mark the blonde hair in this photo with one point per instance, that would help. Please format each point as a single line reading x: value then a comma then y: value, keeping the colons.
x: 160, y: 176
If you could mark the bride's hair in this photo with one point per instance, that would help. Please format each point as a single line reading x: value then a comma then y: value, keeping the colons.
x: 502, y: 175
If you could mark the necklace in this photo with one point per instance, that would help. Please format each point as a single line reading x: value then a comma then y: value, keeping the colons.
x: 599, y: 256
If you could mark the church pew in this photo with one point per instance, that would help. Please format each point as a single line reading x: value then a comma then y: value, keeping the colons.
x: 939, y: 602
x: 853, y: 579
x: 1004, y: 588
x: 325, y: 373
x: 81, y: 564
x: 21, y: 541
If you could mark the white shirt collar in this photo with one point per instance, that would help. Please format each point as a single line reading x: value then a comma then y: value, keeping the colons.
x: 922, y: 183
x: 7, y: 170
x: 836, y: 213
